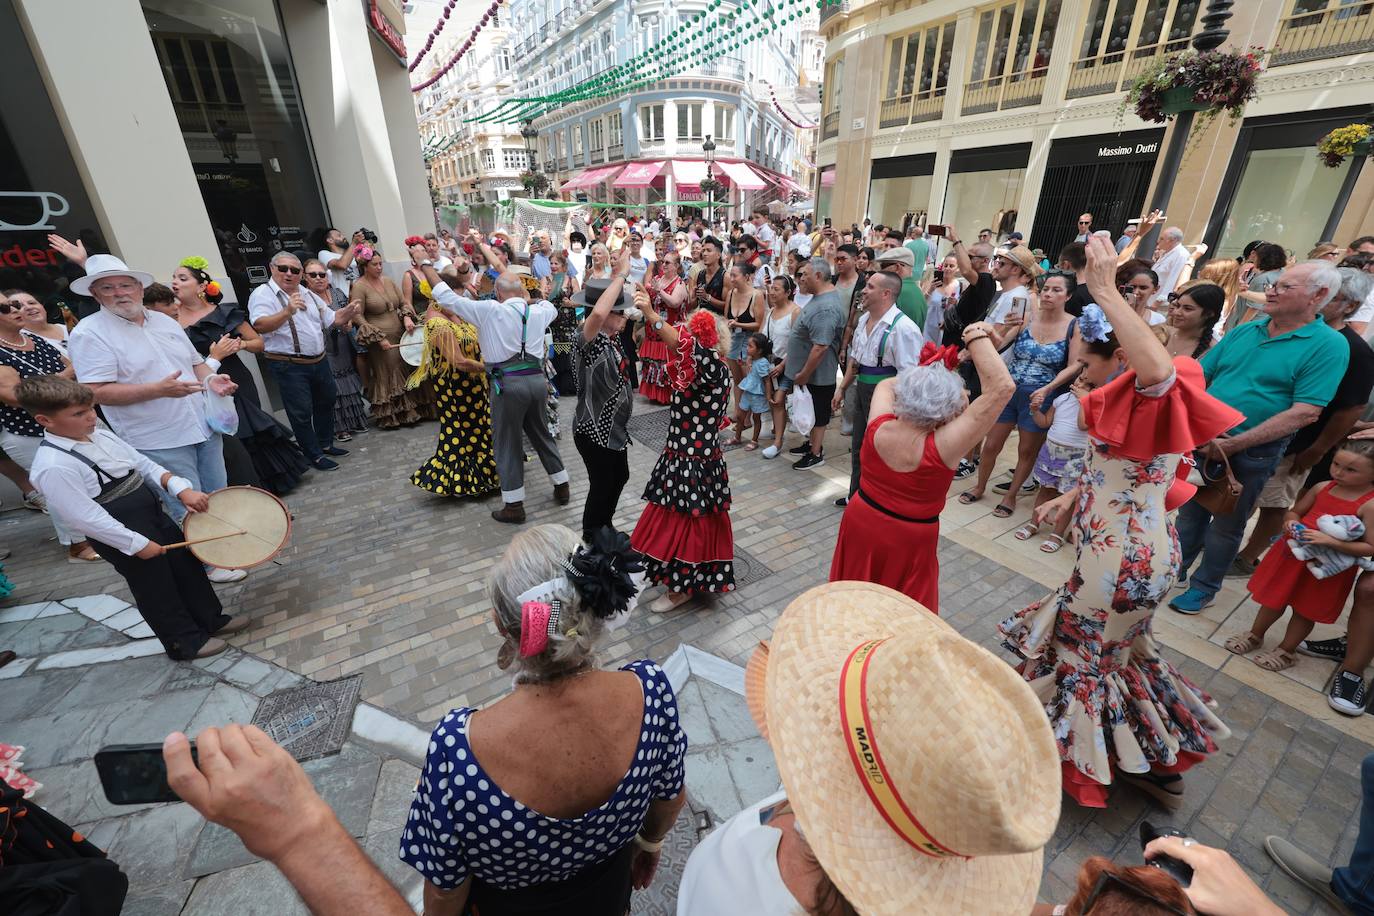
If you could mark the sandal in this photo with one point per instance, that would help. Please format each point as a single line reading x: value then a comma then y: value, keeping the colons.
x: 1276, y: 659
x: 1026, y: 531
x: 1165, y: 788
x: 1051, y: 543
x: 1243, y: 643
x: 83, y: 553
x: 1003, y: 510
x: 968, y: 498
x: 749, y: 447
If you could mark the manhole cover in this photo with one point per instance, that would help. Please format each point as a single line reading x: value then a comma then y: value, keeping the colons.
x: 650, y: 429
x: 748, y: 568
x: 310, y: 721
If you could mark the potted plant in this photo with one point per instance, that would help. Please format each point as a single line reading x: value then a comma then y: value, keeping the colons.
x: 1350, y: 140
x: 534, y: 182
x: 1208, y: 82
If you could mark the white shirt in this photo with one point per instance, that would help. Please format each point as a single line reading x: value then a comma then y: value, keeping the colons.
x: 1364, y: 313
x: 735, y: 869
x: 800, y: 242
x: 903, y: 341
x: 1064, y: 428
x: 442, y: 263
x: 767, y: 238
x: 1169, y: 268
x: 1002, y: 309
x: 342, y: 280
x: 107, y: 348
x: 311, y: 323
x: 499, y: 323
x: 70, y: 485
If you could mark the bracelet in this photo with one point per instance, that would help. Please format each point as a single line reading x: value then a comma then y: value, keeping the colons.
x: 979, y: 337
x: 648, y: 845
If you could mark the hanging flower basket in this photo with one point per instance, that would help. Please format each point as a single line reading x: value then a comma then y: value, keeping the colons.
x: 1207, y: 82
x: 1350, y: 140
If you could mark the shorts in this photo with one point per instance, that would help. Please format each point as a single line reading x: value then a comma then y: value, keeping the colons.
x: 739, y: 345
x: 1059, y: 466
x: 1018, y: 410
x: 1283, y: 486
x: 749, y: 402
x: 821, y: 396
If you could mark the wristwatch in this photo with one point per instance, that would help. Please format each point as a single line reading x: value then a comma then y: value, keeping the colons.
x: 658, y: 325
x: 426, y: 263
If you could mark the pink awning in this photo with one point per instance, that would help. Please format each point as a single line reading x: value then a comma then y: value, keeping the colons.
x: 590, y: 177
x: 742, y: 177
x: 689, y: 172
x: 788, y: 185
x: 828, y: 178
x: 639, y: 174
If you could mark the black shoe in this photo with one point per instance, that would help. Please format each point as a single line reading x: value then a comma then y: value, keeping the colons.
x: 842, y: 502
x: 324, y: 464
x: 966, y: 468
x: 809, y: 461
x: 336, y: 451
x: 1330, y: 649
x: 1349, y: 694
x: 1030, y: 486
x: 800, y: 450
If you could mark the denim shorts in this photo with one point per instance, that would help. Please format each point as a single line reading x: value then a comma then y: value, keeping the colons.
x: 1018, y: 410
x: 739, y: 344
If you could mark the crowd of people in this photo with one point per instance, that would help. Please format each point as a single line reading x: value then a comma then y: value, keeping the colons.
x: 1135, y: 391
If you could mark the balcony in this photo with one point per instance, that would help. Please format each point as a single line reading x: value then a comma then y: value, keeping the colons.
x: 730, y: 68
x: 597, y: 156
x: 1114, y: 71
x: 1337, y: 31
x: 912, y: 109
x: 832, y: 10
x: 615, y: 151
x: 830, y: 126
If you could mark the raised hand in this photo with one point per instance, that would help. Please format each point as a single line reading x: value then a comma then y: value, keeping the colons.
x: 72, y: 251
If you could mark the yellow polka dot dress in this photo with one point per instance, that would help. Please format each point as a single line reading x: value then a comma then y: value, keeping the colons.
x: 463, y: 463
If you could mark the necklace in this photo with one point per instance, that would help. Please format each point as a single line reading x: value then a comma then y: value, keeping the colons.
x: 25, y: 343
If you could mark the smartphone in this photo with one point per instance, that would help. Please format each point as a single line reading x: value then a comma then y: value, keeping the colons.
x: 827, y: 222
x: 938, y: 276
x: 1018, y: 307
x: 1181, y: 871
x: 937, y: 230
x: 136, y: 774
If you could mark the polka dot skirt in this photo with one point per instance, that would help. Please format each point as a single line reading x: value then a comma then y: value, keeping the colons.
x: 461, y: 823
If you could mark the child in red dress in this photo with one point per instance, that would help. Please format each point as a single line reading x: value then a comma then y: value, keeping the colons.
x: 1282, y: 580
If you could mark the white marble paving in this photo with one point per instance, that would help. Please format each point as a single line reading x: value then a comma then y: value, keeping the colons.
x: 16, y: 667
x: 32, y: 611
x: 372, y: 724
x: 96, y: 607
x: 129, y: 617
x: 141, y: 631
x: 78, y: 657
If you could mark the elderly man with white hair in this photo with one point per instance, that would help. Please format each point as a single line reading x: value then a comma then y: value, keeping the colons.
x: 1170, y: 258
x: 510, y: 331
x: 149, y: 381
x: 1280, y: 371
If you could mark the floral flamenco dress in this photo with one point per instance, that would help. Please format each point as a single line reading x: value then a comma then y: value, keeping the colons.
x: 1088, y: 648
x: 653, y: 353
x: 463, y: 463
x: 684, y: 532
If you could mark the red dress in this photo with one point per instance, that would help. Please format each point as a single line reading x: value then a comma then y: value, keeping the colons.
x: 891, y: 527
x: 1282, y: 580
x: 653, y: 353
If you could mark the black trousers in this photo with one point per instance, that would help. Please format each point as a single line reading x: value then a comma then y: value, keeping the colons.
x: 863, y: 399
x: 608, y: 471
x: 171, y: 591
x: 308, y: 394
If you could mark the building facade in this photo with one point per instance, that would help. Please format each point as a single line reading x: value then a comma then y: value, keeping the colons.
x: 645, y: 147
x: 1010, y: 116
x: 470, y: 163
x: 159, y: 129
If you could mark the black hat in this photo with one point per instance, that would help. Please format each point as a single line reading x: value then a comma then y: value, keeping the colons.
x: 591, y: 291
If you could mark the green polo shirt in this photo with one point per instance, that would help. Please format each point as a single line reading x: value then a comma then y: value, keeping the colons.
x: 1262, y: 376
x: 920, y: 250
x: 912, y: 302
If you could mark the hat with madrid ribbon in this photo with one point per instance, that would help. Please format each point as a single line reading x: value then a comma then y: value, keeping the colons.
x: 921, y: 767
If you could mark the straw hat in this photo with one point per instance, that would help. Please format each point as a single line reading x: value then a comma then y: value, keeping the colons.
x: 106, y: 265
x: 960, y: 751
x: 1023, y: 259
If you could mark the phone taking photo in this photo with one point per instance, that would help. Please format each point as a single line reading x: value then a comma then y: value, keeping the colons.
x: 136, y: 774
x: 938, y: 230
x: 1018, y: 307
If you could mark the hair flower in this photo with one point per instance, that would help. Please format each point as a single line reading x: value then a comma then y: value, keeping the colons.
x: 212, y: 288
x: 601, y: 572
x: 414, y: 240
x: 1093, y: 324
x: 195, y: 262
x: 949, y: 355
x: 364, y: 253
x: 702, y: 328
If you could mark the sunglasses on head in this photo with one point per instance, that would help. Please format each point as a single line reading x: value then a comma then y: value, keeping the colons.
x: 286, y: 269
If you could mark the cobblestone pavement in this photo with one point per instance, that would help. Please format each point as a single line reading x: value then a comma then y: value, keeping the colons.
x: 384, y: 579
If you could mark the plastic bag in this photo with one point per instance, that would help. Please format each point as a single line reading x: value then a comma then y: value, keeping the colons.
x: 800, y: 409
x: 220, y: 414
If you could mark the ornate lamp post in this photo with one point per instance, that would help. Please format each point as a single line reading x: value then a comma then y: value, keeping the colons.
x: 710, y: 187
x: 535, y: 182
x: 1212, y: 36
x: 227, y: 138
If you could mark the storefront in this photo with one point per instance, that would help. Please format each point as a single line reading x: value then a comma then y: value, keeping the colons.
x: 899, y: 190
x: 984, y: 189
x: 1275, y: 188
x: 1105, y: 175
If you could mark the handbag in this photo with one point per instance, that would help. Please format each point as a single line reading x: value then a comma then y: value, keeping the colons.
x: 1218, y: 495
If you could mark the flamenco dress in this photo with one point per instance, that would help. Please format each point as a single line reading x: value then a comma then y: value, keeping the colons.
x: 262, y: 453
x: 463, y: 463
x: 891, y: 528
x: 1088, y: 648
x: 653, y: 352
x: 684, y: 532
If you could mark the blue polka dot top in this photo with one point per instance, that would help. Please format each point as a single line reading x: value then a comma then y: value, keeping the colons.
x: 461, y: 823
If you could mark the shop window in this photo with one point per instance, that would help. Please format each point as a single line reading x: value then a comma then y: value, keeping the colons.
x: 229, y: 78
x: 1291, y: 212
x: 974, y: 200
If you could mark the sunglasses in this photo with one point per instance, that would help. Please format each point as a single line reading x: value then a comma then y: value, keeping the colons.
x: 1085, y: 222
x: 1173, y: 297
x: 317, y: 275
x: 286, y: 269
x: 7, y: 307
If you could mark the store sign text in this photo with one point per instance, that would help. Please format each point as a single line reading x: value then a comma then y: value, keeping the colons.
x: 1138, y: 150
x: 383, y: 29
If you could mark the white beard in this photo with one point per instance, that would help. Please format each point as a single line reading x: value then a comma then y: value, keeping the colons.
x: 128, y: 312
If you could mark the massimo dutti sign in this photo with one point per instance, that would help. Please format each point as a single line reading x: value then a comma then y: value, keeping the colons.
x: 1096, y: 149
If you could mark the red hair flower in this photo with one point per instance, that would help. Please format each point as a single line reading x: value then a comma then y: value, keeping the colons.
x: 702, y: 327
x: 948, y: 355
x: 414, y: 240
x: 212, y: 288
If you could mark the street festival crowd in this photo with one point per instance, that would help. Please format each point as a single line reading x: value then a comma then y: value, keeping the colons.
x: 1157, y: 404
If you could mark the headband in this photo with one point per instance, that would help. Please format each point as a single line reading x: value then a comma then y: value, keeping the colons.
x: 601, y: 575
x: 1093, y: 324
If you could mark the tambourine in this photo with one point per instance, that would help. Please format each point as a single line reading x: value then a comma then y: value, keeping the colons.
x: 412, y: 345
x: 242, y: 527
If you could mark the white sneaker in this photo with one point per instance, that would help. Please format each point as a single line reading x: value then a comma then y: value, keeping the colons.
x: 222, y: 576
x: 770, y: 452
x: 35, y: 501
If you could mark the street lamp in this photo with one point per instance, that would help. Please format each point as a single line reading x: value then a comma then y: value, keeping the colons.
x: 534, y: 181
x: 709, y: 186
x: 228, y: 141
x: 1212, y: 36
